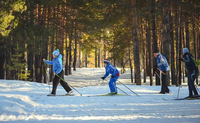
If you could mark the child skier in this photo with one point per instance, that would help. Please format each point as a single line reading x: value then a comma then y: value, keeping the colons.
x: 58, y: 72
x: 192, y: 70
x: 110, y: 69
x: 163, y: 65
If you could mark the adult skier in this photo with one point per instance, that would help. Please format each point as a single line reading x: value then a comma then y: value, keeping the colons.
x: 111, y: 69
x: 163, y: 65
x: 58, y: 72
x: 192, y: 71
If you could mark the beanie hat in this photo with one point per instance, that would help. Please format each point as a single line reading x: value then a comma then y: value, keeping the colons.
x: 56, y: 52
x: 185, y: 50
x: 156, y: 51
x: 106, y: 61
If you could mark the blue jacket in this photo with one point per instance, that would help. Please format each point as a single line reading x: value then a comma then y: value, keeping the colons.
x: 57, y: 64
x: 162, y: 63
x: 110, y: 69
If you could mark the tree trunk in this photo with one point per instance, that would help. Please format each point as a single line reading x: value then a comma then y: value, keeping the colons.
x: 136, y: 44
x: 2, y: 56
x: 86, y: 60
x: 131, y: 66
x: 99, y: 57
x: 70, y: 49
x: 80, y: 56
x: 155, y: 43
x: 150, y: 52
x: 165, y: 33
x: 96, y: 58
x: 180, y: 46
x: 144, y: 54
x: 173, y: 70
x: 75, y: 50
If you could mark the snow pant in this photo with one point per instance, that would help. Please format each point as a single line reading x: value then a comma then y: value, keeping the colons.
x: 112, y: 84
x: 191, y: 77
x: 56, y: 81
x: 164, y: 87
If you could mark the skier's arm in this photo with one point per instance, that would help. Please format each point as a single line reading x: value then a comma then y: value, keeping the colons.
x: 49, y: 62
x: 160, y: 60
x: 106, y: 74
x: 186, y: 59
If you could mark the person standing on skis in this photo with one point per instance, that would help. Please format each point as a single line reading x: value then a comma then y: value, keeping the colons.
x: 110, y: 69
x: 163, y: 65
x: 192, y: 71
x: 58, y: 72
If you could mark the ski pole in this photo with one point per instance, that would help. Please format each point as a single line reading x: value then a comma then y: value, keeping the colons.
x: 120, y: 89
x: 46, y: 74
x: 128, y: 88
x: 123, y: 91
x: 69, y: 84
x: 157, y: 74
x: 163, y: 72
x: 197, y: 88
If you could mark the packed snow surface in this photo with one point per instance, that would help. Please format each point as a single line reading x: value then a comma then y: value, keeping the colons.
x: 22, y: 101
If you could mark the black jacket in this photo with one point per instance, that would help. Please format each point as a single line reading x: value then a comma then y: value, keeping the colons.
x: 189, y: 63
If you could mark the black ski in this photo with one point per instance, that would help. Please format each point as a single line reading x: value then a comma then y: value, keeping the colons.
x: 196, y: 98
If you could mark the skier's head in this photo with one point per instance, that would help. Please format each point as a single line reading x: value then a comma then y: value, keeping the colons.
x: 106, y: 61
x: 185, y: 50
x: 56, y: 53
x: 156, y: 52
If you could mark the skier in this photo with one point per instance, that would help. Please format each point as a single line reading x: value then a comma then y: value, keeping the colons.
x: 58, y: 72
x: 110, y: 69
x: 192, y: 71
x: 163, y: 65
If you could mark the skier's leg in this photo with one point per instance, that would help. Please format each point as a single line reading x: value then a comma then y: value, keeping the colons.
x: 114, y: 83
x: 163, y: 87
x: 63, y: 83
x: 115, y: 80
x: 189, y: 84
x: 111, y: 85
x: 193, y: 77
x: 55, y: 84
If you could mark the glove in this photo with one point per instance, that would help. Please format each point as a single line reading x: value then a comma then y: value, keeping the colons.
x: 113, y: 76
x: 103, y: 78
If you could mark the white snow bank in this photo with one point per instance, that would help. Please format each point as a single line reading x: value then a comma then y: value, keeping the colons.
x: 25, y: 101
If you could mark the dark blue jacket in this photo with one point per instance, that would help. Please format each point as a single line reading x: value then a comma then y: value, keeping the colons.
x: 162, y: 63
x: 189, y: 62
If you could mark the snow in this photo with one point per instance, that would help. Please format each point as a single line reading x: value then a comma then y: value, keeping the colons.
x: 22, y: 101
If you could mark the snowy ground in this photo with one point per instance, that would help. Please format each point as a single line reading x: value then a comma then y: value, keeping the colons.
x: 27, y: 102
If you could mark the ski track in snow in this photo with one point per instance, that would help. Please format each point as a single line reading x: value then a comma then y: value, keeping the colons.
x: 22, y: 101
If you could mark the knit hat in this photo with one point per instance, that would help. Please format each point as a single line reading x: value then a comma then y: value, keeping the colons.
x: 106, y: 61
x: 185, y: 50
x: 156, y: 51
x: 56, y: 52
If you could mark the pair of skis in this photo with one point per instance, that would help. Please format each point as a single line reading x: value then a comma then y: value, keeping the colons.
x: 94, y: 95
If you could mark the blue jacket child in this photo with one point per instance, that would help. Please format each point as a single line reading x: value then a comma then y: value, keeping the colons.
x: 110, y: 69
x: 58, y: 70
